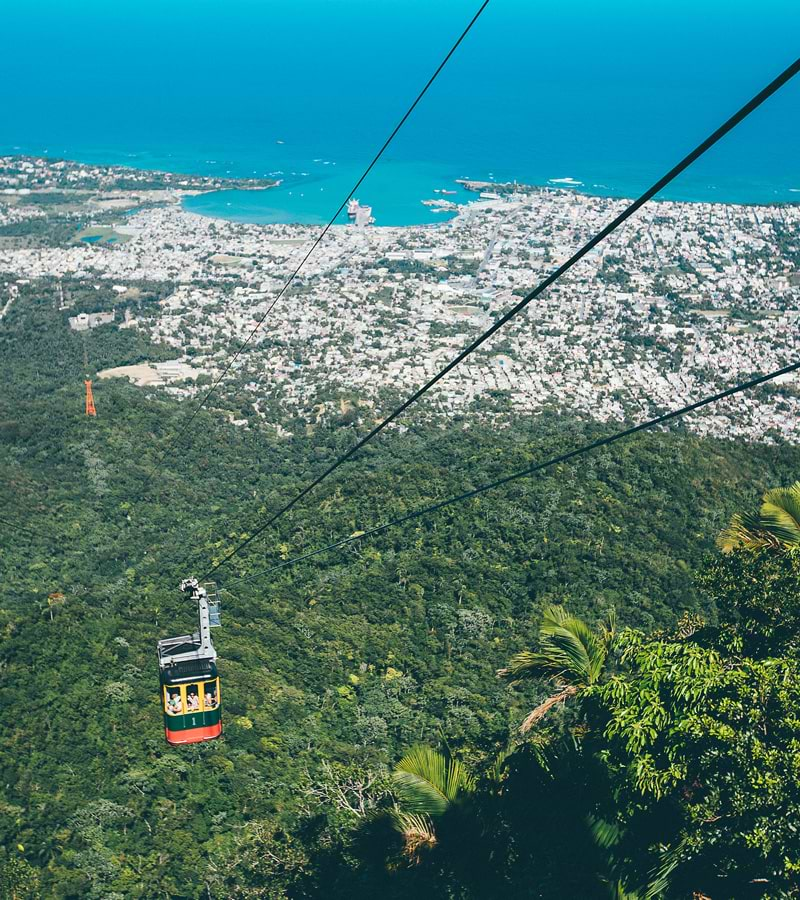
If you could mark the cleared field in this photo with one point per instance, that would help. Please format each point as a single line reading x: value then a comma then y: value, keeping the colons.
x: 145, y: 374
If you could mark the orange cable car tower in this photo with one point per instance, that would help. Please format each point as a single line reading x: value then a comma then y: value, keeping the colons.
x: 90, y: 407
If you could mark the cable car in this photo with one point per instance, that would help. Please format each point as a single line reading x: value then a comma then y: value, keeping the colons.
x: 187, y: 665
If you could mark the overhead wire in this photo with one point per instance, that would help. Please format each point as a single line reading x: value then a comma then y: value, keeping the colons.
x: 287, y: 284
x: 17, y: 527
x: 526, y: 473
x: 786, y: 75
x: 170, y: 440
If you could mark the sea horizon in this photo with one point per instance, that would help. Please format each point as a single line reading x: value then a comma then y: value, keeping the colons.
x: 612, y: 97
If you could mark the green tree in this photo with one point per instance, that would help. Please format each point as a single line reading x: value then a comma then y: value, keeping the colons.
x: 428, y: 784
x: 571, y: 655
x: 756, y: 595
x: 776, y: 525
x: 18, y: 880
x: 695, y: 736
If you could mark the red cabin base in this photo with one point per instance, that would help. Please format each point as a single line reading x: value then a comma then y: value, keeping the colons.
x: 194, y: 735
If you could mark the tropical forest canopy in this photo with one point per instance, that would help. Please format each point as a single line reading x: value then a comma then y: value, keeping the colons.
x: 370, y: 747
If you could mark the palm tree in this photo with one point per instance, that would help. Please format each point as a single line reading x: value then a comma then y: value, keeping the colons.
x: 428, y: 784
x: 776, y: 525
x: 571, y: 655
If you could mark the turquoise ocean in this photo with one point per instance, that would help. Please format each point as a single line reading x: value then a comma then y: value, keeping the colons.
x: 610, y: 95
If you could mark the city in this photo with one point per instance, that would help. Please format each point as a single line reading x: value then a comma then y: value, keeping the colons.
x: 684, y: 299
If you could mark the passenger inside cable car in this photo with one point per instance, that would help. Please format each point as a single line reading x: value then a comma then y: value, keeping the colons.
x: 174, y: 705
x: 192, y: 700
x: 210, y: 698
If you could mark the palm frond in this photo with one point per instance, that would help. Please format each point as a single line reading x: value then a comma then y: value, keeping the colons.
x: 496, y: 773
x: 604, y: 833
x: 780, y: 514
x: 618, y: 891
x: 569, y: 649
x: 581, y: 650
x: 787, y: 498
x: 427, y: 782
x: 660, y: 877
x: 575, y: 641
x: 744, y: 532
x: 777, y: 524
x: 528, y: 664
x: 535, y: 715
x: 609, y: 627
x: 417, y: 831
x: 571, y: 654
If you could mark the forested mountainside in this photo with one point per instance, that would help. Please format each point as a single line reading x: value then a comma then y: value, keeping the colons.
x: 332, y: 670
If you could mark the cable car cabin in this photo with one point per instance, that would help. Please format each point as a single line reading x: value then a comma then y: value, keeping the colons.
x: 190, y: 688
x: 191, y: 699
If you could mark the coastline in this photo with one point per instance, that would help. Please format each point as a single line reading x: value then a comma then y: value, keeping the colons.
x: 402, y: 195
x: 89, y: 175
x: 686, y: 297
x: 233, y: 210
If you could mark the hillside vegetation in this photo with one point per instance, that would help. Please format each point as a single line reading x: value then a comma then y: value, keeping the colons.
x: 332, y: 670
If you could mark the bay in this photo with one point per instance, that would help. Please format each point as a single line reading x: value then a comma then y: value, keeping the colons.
x: 606, y: 95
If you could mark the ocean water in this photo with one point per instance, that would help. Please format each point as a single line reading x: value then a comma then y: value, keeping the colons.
x: 610, y: 95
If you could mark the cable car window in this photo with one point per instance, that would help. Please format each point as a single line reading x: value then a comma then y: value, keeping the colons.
x: 174, y: 704
x: 210, y: 695
x: 192, y: 698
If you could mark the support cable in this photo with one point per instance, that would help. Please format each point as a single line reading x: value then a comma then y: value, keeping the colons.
x: 326, y: 229
x: 659, y: 185
x: 17, y: 527
x: 525, y: 473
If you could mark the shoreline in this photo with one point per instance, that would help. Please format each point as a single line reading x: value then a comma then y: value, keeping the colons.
x: 477, y: 187
x: 687, y: 295
x: 188, y: 186
x: 86, y: 177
